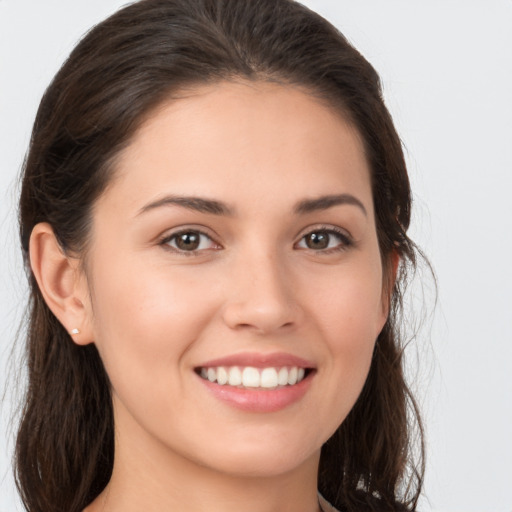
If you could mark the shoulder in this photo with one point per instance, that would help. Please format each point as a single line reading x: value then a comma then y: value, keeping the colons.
x: 325, y: 506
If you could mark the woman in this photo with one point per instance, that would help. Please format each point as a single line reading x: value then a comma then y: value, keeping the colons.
x: 214, y: 211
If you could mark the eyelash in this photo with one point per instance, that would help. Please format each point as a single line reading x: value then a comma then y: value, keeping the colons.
x: 345, y: 240
x: 165, y: 242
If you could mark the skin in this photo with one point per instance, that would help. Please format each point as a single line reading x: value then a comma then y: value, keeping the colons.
x: 253, y: 285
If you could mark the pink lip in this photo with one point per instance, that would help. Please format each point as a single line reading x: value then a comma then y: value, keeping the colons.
x: 256, y: 360
x: 259, y: 400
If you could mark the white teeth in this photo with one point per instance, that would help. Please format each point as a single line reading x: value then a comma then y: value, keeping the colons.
x: 250, y: 377
x: 282, y: 377
x: 269, y: 378
x: 235, y: 376
x: 292, y: 376
x: 222, y: 375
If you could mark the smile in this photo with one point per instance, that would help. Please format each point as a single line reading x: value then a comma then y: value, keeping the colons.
x: 257, y: 382
x: 251, y: 377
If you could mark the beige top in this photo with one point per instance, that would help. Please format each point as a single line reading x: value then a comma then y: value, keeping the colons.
x: 325, y: 505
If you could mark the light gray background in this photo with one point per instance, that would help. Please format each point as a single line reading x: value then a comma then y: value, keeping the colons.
x: 446, y: 67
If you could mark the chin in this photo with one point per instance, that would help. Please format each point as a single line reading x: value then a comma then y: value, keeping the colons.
x: 258, y: 458
x: 265, y: 465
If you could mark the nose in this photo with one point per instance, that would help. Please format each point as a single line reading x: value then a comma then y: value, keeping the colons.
x: 260, y: 297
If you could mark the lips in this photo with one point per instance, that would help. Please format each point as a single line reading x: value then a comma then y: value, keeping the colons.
x: 258, y: 382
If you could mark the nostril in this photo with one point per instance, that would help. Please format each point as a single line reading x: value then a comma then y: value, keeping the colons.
x: 262, y: 300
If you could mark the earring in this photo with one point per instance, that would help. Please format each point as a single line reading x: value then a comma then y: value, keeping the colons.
x: 75, y: 331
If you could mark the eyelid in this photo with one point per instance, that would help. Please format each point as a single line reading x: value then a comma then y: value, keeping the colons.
x: 345, y: 236
x: 324, y: 227
x: 164, y: 240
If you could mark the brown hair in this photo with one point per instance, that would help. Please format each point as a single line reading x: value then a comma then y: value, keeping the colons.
x: 116, y: 76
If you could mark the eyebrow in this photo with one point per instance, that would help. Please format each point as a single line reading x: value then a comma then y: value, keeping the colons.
x: 214, y: 207
x: 198, y: 204
x: 325, y: 202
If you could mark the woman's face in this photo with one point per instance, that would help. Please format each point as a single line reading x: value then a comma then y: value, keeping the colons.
x: 235, y: 279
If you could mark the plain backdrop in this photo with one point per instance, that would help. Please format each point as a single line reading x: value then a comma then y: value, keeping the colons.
x: 446, y: 67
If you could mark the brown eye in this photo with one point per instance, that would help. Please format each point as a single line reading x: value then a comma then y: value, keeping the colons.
x: 318, y: 240
x: 189, y: 241
x: 325, y: 240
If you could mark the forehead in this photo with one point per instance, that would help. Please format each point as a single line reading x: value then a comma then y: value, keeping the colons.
x: 235, y: 136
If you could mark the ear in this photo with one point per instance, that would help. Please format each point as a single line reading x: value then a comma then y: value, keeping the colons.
x: 62, y: 283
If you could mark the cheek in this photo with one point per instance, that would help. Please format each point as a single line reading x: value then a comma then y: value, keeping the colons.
x: 348, y: 306
x: 145, y: 322
x: 350, y: 315
x: 351, y: 330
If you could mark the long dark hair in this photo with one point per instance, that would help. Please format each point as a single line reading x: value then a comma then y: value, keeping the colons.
x: 116, y: 76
